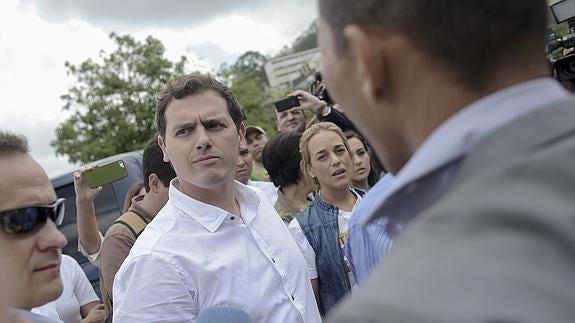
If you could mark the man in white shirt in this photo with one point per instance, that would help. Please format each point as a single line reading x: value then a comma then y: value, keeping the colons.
x: 217, y: 241
x: 78, y: 302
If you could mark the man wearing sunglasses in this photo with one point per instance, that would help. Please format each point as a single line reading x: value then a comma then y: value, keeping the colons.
x: 30, y: 243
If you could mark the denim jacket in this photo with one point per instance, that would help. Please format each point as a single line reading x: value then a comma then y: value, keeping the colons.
x: 319, y: 224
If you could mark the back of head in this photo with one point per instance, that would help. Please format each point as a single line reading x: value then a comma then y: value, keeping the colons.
x: 471, y: 39
x: 153, y: 163
x: 11, y: 144
x: 281, y: 158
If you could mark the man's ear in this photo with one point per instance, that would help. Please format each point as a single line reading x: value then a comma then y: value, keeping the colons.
x: 368, y: 58
x: 276, y: 120
x: 242, y: 134
x: 162, y: 145
x: 154, y: 182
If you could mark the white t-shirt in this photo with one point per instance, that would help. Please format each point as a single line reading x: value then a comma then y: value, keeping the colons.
x: 307, y: 250
x: 77, y: 292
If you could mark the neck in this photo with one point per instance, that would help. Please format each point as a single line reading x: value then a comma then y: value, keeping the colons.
x: 222, y: 196
x: 439, y: 97
x: 343, y: 199
x: 297, y: 193
x: 363, y: 184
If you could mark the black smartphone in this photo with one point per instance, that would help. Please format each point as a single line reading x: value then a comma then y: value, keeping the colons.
x: 287, y: 103
x: 104, y: 174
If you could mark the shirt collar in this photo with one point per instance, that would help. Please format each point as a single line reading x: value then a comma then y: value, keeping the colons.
x: 465, y: 129
x: 209, y: 216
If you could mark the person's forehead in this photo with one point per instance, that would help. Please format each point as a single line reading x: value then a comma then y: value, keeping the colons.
x: 324, y: 139
x: 24, y: 183
x: 253, y: 134
x: 288, y: 112
x: 207, y: 104
x: 355, y: 143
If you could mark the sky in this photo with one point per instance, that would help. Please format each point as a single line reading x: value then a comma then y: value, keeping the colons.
x: 38, y: 36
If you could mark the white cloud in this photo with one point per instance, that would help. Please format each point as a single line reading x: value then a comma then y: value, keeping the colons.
x: 37, y: 37
x: 39, y: 132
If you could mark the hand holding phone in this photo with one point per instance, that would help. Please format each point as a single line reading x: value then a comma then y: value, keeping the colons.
x: 287, y: 103
x: 104, y: 174
x: 83, y: 192
x: 307, y: 101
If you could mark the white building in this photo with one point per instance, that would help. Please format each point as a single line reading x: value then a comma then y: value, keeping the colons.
x: 294, y: 69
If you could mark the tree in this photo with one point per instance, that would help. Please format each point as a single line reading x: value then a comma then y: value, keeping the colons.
x: 114, y: 100
x: 253, y: 63
x: 306, y: 40
x: 247, y: 80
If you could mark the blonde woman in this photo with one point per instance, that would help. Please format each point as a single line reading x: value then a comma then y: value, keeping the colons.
x: 320, y: 230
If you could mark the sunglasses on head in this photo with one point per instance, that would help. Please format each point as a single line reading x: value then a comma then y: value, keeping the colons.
x: 31, y: 218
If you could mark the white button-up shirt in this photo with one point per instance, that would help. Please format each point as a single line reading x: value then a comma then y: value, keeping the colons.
x: 194, y: 255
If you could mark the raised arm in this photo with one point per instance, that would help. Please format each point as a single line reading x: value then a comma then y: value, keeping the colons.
x: 89, y: 236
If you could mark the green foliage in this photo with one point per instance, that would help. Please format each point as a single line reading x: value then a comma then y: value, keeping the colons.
x: 247, y: 80
x: 306, y: 40
x: 113, y: 102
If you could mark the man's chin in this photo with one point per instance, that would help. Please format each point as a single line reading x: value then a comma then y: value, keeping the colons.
x: 215, y: 181
x: 296, y: 128
x: 46, y: 294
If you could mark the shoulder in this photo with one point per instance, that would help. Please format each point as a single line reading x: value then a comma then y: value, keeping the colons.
x: 119, y: 230
x: 68, y: 260
x: 310, y: 208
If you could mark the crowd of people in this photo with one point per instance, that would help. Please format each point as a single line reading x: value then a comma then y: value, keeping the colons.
x: 434, y: 184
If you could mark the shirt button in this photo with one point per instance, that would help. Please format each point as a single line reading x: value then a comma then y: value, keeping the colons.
x: 274, y: 260
x: 232, y: 218
x: 292, y: 298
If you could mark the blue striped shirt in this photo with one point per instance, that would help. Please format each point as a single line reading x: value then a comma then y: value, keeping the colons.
x: 368, y: 242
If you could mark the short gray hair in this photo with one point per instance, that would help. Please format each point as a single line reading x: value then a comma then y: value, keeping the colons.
x: 11, y: 143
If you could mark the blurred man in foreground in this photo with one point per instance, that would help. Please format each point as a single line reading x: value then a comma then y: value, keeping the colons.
x: 456, y: 100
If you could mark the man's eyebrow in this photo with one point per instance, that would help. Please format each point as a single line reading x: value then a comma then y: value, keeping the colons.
x: 178, y: 126
x: 214, y: 119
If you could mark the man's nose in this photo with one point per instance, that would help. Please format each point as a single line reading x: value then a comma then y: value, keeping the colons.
x: 51, y: 237
x: 203, y: 140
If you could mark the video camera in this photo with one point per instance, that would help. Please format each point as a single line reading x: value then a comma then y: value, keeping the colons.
x: 563, y: 67
x: 318, y: 88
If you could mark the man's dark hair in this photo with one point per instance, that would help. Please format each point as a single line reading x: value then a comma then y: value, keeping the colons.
x: 11, y: 143
x: 153, y: 163
x: 470, y: 38
x: 281, y: 159
x: 193, y: 84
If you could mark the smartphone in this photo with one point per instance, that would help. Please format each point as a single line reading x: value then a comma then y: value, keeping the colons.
x: 287, y: 103
x: 107, y: 173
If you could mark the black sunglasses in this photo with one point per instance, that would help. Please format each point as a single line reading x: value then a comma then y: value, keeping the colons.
x: 31, y: 218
